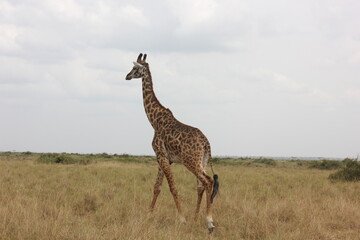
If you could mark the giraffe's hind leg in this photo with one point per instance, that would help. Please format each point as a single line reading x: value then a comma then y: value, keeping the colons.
x: 157, y: 188
x: 207, y: 182
x: 209, y: 218
x: 200, y: 191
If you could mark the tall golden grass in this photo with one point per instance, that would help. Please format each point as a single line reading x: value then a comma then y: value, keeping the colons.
x: 110, y: 200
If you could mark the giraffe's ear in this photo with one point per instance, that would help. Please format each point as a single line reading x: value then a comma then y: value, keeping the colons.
x: 139, y: 57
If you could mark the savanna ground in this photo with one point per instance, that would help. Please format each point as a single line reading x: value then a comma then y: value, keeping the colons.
x: 107, y: 197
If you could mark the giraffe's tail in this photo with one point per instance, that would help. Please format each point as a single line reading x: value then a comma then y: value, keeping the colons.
x: 215, y: 184
x: 215, y: 187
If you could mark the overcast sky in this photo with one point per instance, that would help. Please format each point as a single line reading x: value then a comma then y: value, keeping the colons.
x: 258, y: 77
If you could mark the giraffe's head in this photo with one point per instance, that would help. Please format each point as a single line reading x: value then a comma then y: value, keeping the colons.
x: 138, y: 71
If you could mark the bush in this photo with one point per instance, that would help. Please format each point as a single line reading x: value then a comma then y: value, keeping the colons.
x: 266, y: 161
x: 349, y: 161
x: 105, y: 155
x: 326, y: 164
x: 8, y: 153
x: 215, y: 160
x: 351, y: 172
x: 56, y: 158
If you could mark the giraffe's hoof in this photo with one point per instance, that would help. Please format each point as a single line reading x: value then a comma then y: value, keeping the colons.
x: 211, y: 227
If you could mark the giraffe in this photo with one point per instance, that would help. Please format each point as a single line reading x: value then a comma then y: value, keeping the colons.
x: 175, y: 142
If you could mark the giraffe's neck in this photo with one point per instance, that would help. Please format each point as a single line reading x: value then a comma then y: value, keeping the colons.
x: 153, y: 108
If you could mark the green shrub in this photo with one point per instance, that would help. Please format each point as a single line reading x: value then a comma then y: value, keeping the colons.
x: 105, y: 155
x: 8, y: 153
x: 326, y: 164
x: 266, y: 161
x: 350, y: 161
x: 135, y: 159
x: 351, y: 172
x: 215, y: 160
x: 62, y: 158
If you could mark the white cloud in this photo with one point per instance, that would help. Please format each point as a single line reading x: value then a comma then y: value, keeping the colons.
x: 270, y: 72
x: 8, y: 34
x: 193, y: 15
x: 353, y: 95
x: 288, y: 84
x: 135, y: 15
x: 67, y: 9
x: 307, y: 94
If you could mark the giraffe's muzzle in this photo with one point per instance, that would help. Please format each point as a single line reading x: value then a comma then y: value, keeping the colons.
x: 128, y: 77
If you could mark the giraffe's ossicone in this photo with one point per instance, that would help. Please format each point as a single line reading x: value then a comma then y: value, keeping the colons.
x: 175, y: 142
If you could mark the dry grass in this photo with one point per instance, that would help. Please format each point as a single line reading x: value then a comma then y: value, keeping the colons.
x: 108, y: 200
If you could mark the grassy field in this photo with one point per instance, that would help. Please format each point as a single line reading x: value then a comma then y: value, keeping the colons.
x: 108, y: 198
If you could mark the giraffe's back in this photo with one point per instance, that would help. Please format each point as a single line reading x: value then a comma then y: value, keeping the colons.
x: 182, y: 142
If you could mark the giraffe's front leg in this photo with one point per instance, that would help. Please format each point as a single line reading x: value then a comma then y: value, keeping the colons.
x: 157, y: 188
x: 165, y: 167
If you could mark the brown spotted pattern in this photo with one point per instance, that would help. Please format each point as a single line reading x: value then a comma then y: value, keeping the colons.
x: 174, y: 142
